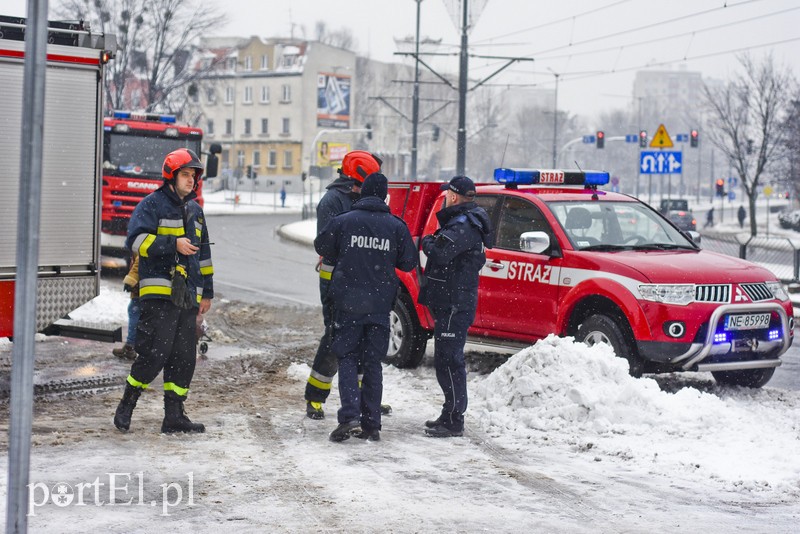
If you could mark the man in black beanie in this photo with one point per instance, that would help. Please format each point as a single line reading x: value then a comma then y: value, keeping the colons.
x: 366, y: 244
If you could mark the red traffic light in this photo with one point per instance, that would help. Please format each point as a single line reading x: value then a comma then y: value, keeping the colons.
x: 643, y: 138
x: 601, y: 139
x: 693, y: 138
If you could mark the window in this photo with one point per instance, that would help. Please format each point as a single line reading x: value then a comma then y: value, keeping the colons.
x: 248, y: 63
x: 265, y: 62
x: 232, y: 63
x: 285, y: 130
x: 247, y: 123
x: 519, y: 216
x: 256, y: 158
x: 228, y: 126
x: 210, y: 127
x: 287, y: 93
x: 229, y: 95
x: 265, y: 126
x: 287, y: 159
x: 248, y: 95
x: 273, y: 159
x: 265, y: 94
x: 211, y: 96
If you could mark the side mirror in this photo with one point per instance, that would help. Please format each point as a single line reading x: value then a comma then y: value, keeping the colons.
x: 534, y: 242
x: 694, y: 236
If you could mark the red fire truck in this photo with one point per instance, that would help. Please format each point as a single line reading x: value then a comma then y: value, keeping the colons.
x: 134, y: 146
x: 572, y: 260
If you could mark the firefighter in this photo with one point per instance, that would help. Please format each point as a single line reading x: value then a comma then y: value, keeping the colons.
x: 455, y: 255
x: 168, y: 232
x: 342, y: 192
x: 366, y: 244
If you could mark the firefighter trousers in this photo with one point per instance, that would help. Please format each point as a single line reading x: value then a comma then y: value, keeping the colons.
x: 450, y: 335
x: 166, y: 338
x: 360, y: 340
x: 325, y: 365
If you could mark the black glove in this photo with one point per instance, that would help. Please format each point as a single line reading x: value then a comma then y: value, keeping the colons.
x: 127, y: 288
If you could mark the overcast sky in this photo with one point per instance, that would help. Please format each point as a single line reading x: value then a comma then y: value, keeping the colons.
x: 595, y: 47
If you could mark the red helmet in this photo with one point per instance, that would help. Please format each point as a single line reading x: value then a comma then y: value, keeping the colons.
x: 358, y: 164
x: 181, y: 159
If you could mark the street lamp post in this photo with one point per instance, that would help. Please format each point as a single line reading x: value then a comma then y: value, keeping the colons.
x: 555, y: 119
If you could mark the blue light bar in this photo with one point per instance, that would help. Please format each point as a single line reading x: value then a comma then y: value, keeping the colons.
x: 122, y: 115
x: 720, y: 337
x: 774, y: 334
x: 168, y: 119
x: 551, y: 177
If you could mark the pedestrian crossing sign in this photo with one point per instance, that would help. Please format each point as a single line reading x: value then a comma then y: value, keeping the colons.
x: 661, y: 139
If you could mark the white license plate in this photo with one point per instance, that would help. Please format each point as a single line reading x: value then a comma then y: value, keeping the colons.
x: 750, y: 321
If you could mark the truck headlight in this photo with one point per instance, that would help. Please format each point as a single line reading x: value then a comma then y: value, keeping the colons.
x: 777, y: 290
x: 668, y: 293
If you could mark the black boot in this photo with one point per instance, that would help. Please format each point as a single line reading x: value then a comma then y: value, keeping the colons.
x: 175, y: 419
x: 122, y: 417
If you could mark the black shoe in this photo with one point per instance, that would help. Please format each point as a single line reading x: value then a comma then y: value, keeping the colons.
x: 386, y: 409
x: 175, y: 419
x: 434, y: 422
x: 369, y: 435
x: 126, y: 352
x: 314, y: 410
x: 122, y: 417
x: 344, y: 430
x: 442, y: 431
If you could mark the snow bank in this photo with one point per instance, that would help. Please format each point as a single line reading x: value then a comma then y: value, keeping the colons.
x: 560, y: 392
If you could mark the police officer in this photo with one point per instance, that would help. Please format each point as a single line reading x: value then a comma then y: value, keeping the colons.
x: 455, y: 255
x: 168, y: 232
x: 366, y: 244
x: 342, y: 192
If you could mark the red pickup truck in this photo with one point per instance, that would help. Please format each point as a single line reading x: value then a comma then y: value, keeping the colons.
x: 573, y: 260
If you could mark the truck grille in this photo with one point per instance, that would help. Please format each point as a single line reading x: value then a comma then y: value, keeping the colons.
x: 713, y: 293
x: 757, y: 292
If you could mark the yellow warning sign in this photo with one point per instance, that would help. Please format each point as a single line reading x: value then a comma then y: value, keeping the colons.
x: 661, y: 139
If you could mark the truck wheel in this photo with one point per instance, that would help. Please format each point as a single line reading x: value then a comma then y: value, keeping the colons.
x: 603, y: 329
x: 407, y: 340
x: 749, y: 378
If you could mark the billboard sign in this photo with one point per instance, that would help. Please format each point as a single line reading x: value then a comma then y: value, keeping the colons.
x: 333, y: 100
x: 331, y: 154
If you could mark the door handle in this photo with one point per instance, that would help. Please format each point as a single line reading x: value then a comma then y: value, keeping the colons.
x: 495, y: 264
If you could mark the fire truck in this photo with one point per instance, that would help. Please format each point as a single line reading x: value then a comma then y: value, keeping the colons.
x: 573, y: 260
x: 68, y: 271
x: 134, y: 147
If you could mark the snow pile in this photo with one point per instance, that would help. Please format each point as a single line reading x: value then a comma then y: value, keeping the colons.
x: 110, y: 306
x: 298, y: 371
x: 560, y: 392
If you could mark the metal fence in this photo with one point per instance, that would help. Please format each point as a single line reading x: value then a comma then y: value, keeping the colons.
x: 781, y: 255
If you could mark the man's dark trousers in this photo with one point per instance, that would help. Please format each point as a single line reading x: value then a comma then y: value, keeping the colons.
x: 450, y: 335
x: 357, y: 336
x: 325, y: 365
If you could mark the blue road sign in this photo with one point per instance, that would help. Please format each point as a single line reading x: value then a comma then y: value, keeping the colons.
x: 661, y: 162
x: 588, y: 139
x: 682, y: 138
x: 631, y: 138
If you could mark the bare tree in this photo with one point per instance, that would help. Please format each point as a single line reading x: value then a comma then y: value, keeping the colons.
x: 156, y: 43
x: 744, y: 121
x: 341, y: 38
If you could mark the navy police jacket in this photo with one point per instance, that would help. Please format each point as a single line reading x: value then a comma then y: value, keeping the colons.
x: 367, y: 243
x: 156, y: 223
x: 455, y: 256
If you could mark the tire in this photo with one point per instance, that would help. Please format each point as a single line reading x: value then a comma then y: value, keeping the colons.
x: 604, y: 329
x: 203, y: 348
x: 749, y: 378
x: 407, y: 339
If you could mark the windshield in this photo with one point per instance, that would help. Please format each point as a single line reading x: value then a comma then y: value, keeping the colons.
x: 138, y: 155
x: 612, y: 226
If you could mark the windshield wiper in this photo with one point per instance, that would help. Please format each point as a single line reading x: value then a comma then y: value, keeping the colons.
x: 663, y: 246
x: 605, y: 247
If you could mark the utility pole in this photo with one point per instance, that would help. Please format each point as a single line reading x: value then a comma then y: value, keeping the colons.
x: 415, y: 104
x: 461, y: 142
x: 555, y: 121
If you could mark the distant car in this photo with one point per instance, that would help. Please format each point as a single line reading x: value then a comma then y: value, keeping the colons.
x: 683, y: 219
x: 790, y: 219
x: 673, y: 204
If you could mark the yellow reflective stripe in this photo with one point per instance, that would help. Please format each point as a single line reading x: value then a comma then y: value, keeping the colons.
x: 171, y: 386
x: 135, y: 383
x: 197, y: 232
x: 317, y: 384
x: 206, y: 270
x: 325, y: 275
x: 199, y: 298
x: 155, y: 290
x: 163, y: 230
x: 145, y: 246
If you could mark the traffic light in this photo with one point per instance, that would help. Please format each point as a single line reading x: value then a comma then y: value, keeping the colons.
x: 601, y: 139
x: 720, y: 187
x: 369, y: 131
x: 249, y: 171
x: 435, y: 135
x: 693, y: 139
x: 643, y: 138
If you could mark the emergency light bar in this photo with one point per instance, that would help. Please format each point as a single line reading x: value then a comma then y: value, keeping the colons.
x: 550, y: 177
x: 144, y: 116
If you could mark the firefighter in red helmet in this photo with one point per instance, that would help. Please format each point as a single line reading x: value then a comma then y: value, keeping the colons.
x: 340, y: 195
x: 168, y: 232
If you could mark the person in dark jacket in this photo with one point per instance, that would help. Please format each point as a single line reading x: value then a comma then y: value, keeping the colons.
x: 741, y: 215
x: 366, y: 244
x: 168, y: 232
x: 455, y: 256
x: 342, y: 192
